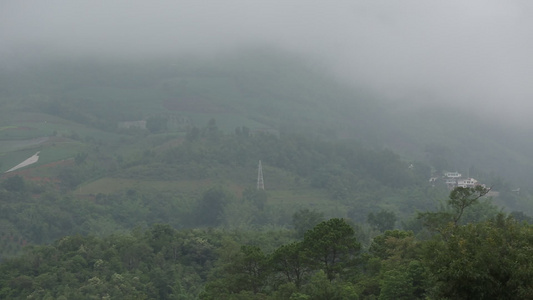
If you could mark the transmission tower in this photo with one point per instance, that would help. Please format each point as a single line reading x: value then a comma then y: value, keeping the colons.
x: 260, y: 182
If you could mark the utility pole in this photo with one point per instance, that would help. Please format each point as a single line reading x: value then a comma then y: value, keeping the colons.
x: 260, y: 183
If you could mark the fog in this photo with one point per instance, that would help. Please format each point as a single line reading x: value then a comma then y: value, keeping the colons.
x: 471, y: 54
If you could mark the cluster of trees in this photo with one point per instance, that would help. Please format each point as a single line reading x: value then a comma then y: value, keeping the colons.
x: 464, y: 250
x: 357, y: 178
x: 40, y: 214
x: 335, y: 166
x: 450, y: 257
x: 328, y: 252
x: 453, y: 259
x: 31, y: 213
x: 156, y: 263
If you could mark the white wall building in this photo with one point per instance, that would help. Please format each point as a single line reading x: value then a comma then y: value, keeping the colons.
x: 469, y: 182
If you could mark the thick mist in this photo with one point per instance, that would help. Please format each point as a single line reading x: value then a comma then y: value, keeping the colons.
x: 472, y: 55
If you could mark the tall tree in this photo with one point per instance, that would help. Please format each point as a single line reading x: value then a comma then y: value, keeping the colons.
x: 459, y: 200
x: 331, y: 246
x: 210, y: 208
x: 290, y: 262
x: 487, y: 260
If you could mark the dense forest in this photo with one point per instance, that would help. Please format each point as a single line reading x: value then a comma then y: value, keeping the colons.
x: 341, y: 179
x: 146, y: 188
x: 488, y: 259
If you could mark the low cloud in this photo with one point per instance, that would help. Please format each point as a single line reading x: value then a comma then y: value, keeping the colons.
x: 470, y: 54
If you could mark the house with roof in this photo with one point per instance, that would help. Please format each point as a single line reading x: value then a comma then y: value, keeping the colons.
x: 467, y: 183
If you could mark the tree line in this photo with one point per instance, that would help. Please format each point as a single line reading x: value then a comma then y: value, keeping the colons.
x: 489, y: 259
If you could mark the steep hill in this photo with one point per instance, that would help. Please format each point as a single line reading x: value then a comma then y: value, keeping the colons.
x: 178, y: 142
x: 265, y: 91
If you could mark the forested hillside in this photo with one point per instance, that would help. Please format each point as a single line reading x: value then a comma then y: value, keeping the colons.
x: 144, y: 186
x: 208, y: 178
x: 265, y: 90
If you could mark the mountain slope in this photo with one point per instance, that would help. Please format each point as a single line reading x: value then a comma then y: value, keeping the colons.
x: 269, y: 91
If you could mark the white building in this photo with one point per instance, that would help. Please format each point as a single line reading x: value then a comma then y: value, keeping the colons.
x: 467, y: 183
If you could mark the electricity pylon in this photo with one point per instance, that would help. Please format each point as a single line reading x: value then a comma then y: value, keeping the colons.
x: 260, y: 182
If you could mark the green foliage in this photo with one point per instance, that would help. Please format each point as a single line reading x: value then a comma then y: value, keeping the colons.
x: 459, y: 200
x: 159, y: 263
x: 519, y: 216
x: 381, y: 244
x: 257, y: 93
x: 394, y: 269
x: 383, y: 220
x: 14, y: 184
x: 396, y: 285
x: 167, y: 172
x: 321, y: 287
x: 257, y: 197
x: 331, y: 246
x: 254, y: 268
x: 246, y: 88
x: 297, y: 270
x: 80, y: 158
x: 304, y: 220
x: 210, y: 208
x: 238, y: 270
x: 487, y: 260
x: 290, y: 261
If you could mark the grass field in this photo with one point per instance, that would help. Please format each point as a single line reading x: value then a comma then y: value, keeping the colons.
x: 13, y: 145
x: 110, y: 185
x: 11, y: 159
x: 288, y: 201
x: 50, y: 151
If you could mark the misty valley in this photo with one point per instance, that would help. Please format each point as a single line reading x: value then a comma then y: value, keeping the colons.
x: 252, y: 175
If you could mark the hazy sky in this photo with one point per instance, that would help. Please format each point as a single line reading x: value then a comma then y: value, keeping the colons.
x: 466, y: 53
